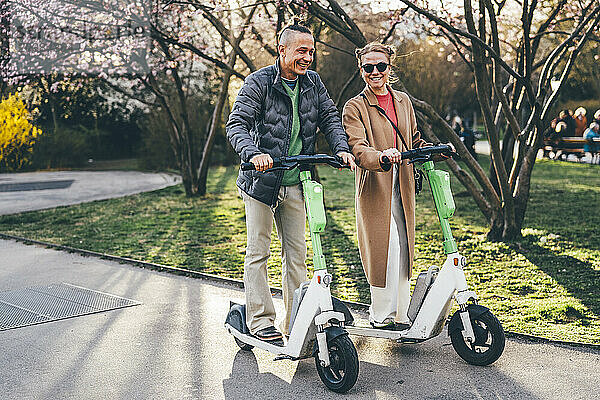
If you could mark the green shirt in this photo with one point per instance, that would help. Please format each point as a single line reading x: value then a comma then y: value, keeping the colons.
x: 292, y: 177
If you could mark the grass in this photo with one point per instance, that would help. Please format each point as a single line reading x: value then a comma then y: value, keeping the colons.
x: 546, y: 284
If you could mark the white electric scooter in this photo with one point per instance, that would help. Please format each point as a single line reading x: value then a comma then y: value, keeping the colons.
x: 317, y: 320
x: 476, y: 334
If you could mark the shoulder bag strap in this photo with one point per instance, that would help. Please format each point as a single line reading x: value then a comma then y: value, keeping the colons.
x: 382, y: 111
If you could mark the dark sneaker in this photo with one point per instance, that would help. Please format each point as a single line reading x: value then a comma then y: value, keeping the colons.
x: 387, y: 324
x: 399, y: 326
x: 269, y: 334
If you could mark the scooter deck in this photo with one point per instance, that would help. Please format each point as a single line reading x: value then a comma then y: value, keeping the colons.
x: 379, y: 333
x: 251, y: 340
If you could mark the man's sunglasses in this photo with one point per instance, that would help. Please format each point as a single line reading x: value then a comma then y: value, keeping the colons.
x: 380, y: 67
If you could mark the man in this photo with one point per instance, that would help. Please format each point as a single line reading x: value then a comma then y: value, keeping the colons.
x: 580, y: 121
x: 276, y: 113
x: 566, y: 117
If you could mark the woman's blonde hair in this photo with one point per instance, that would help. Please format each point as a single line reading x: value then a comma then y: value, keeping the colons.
x: 377, y: 47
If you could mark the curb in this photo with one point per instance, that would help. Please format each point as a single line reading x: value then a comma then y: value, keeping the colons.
x: 240, y: 284
x: 532, y: 338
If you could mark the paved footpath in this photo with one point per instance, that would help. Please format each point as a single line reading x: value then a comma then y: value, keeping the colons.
x: 174, y: 346
x: 38, y: 190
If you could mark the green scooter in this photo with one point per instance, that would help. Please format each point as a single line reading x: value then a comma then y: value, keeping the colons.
x: 317, y: 324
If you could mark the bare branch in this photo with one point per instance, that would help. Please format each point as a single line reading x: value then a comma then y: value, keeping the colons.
x: 474, y: 38
x: 334, y: 47
x: 201, y: 54
x: 225, y: 33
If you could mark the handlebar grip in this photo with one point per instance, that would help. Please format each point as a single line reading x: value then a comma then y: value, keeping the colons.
x: 385, y: 163
x: 247, y: 166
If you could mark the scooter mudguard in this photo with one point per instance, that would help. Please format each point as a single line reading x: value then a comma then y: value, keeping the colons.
x: 339, y: 306
x: 334, y: 331
x: 475, y: 310
x: 237, y: 317
x: 331, y: 332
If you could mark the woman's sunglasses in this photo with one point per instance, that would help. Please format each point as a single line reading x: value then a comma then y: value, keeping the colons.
x: 380, y: 67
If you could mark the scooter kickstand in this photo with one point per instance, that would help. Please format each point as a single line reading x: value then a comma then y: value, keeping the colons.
x: 284, y: 357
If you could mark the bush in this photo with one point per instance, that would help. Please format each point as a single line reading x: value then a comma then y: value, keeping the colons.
x: 155, y: 151
x: 17, y: 134
x: 67, y: 147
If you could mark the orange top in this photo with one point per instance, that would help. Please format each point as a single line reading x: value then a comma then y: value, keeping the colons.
x: 580, y: 124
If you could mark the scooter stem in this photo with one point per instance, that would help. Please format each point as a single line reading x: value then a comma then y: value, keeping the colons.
x: 313, y: 199
x: 439, y: 181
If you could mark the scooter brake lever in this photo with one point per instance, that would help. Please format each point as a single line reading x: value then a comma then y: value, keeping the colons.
x: 455, y: 156
x: 419, y: 159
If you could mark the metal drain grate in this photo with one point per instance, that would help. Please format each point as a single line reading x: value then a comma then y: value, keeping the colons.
x: 37, y: 185
x: 41, y: 304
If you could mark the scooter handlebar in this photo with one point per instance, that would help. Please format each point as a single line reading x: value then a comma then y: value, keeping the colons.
x: 421, y: 154
x: 302, y: 161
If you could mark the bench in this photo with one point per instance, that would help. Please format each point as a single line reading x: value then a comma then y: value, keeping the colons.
x: 562, y: 147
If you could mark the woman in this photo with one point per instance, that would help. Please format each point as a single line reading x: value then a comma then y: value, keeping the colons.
x: 385, y: 201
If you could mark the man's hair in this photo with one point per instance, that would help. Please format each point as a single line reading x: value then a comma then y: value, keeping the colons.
x: 290, y: 30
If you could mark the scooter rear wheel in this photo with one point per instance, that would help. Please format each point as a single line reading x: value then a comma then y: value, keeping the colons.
x: 235, y: 318
x: 242, y: 345
x: 489, y: 340
x: 340, y: 376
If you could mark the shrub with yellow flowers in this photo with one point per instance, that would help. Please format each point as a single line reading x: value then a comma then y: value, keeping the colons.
x: 17, y: 134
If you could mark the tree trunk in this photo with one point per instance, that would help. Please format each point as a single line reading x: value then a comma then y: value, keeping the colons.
x: 202, y: 172
x: 53, y: 112
x: 496, y: 227
x: 4, y: 46
x: 501, y: 231
x: 189, y: 175
x: 214, y: 124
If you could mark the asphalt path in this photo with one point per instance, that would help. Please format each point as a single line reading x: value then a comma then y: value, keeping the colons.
x: 39, y: 190
x: 174, y: 346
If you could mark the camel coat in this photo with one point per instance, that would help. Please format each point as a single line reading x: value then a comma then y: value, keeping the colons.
x: 370, y: 133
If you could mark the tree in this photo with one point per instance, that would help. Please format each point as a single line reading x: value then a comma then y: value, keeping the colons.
x: 512, y: 65
x: 149, y: 54
x: 4, y: 49
x: 17, y: 133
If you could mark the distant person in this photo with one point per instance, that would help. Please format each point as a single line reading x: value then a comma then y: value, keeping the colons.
x: 591, y: 133
x: 565, y: 116
x: 550, y: 132
x: 457, y: 124
x: 468, y: 138
x: 560, y: 131
x: 597, y: 117
x: 580, y: 121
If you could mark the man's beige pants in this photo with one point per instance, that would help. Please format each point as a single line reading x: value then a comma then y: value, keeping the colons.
x: 290, y: 220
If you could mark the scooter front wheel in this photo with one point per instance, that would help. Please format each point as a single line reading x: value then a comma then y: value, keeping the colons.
x: 489, y: 340
x: 342, y: 372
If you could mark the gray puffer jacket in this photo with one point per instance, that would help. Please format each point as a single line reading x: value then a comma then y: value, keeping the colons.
x: 261, y: 122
